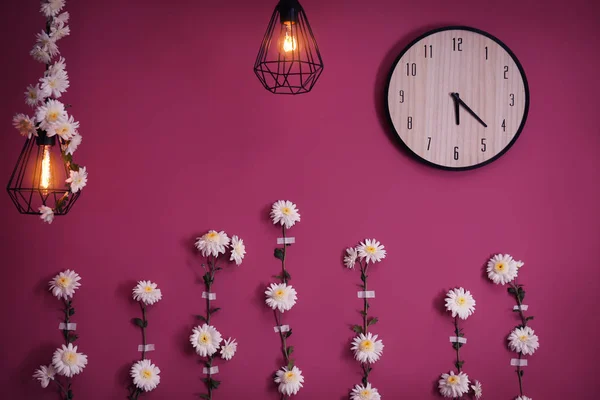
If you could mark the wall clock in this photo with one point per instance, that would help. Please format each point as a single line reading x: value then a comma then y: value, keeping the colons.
x: 457, y: 97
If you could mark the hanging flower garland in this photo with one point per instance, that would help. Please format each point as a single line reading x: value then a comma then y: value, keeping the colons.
x: 50, y: 117
x: 205, y: 338
x: 145, y: 375
x: 502, y: 270
x: 461, y: 304
x: 66, y: 361
x: 281, y: 297
x: 367, y: 349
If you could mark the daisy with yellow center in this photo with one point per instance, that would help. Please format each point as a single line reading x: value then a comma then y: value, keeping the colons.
x: 502, y: 269
x: 147, y: 292
x: 290, y: 380
x: 367, y: 349
x: 371, y: 250
x: 460, y: 302
x: 454, y: 386
x: 280, y: 296
x: 145, y: 375
x: 206, y: 340
x: 50, y: 113
x: 67, y: 361
x: 523, y: 340
x: 367, y: 392
x: 64, y: 284
x: 24, y: 125
x: 213, y: 243
x: 285, y: 213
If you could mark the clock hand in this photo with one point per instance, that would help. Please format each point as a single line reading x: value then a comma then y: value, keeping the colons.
x: 462, y: 103
x: 456, y: 107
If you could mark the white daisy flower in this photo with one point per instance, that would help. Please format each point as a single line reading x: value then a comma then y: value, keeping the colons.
x: 50, y: 113
x: 45, y: 375
x: 146, y: 292
x: 54, y: 84
x: 50, y: 8
x: 365, y: 393
x: 350, y: 257
x: 285, y: 213
x: 477, y: 390
x: 502, y: 269
x: 63, y: 18
x: 40, y: 54
x: 77, y: 179
x: 372, y: 250
x: 47, y: 214
x: 519, y: 264
x: 238, y: 250
x: 145, y: 375
x: 290, y: 380
x: 453, y: 385
x: 46, y: 43
x: 523, y: 340
x: 367, y: 349
x: 59, y: 67
x: 281, y: 296
x: 33, y: 95
x: 460, y: 302
x: 64, y: 284
x: 67, y: 361
x: 206, y: 340
x: 24, y: 125
x: 73, y: 144
x: 59, y: 31
x: 65, y: 128
x: 524, y: 398
x: 228, y: 349
x: 212, y: 243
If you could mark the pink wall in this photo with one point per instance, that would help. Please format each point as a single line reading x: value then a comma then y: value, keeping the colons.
x: 179, y: 137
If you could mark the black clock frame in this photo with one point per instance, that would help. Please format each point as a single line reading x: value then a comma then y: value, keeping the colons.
x: 525, y: 83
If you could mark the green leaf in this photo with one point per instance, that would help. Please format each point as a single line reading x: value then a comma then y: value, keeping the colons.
x: 214, y: 310
x: 70, y: 394
x: 278, y: 277
x: 207, y: 279
x: 363, y: 277
x: 529, y: 318
x: 372, y: 321
x: 288, y: 333
x: 72, y: 338
x: 459, y: 364
x: 201, y: 317
x: 363, y: 313
x: 511, y: 290
x: 278, y: 253
x: 290, y: 364
x: 138, y: 322
x: 204, y: 396
x: 290, y: 350
x: 214, y: 384
x: 286, y: 275
x: 71, y: 311
x: 364, y: 381
x: 521, y: 372
x: 357, y: 329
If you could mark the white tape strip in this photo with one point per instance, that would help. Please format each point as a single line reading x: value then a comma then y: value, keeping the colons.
x: 455, y: 339
x: 287, y: 240
x: 282, y: 328
x: 523, y: 307
x: 366, y: 295
x: 209, y: 296
x: 148, y: 347
x: 518, y: 362
x: 67, y: 327
x: 211, y: 370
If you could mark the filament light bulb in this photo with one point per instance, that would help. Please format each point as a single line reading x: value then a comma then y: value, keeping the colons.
x: 46, y: 173
x: 289, y: 42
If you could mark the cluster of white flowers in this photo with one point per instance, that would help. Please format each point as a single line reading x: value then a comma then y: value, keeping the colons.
x: 206, y: 340
x: 213, y: 244
x: 371, y: 251
x: 50, y: 114
x: 67, y: 361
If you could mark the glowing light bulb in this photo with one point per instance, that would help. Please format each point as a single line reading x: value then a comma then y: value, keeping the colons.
x: 46, y: 173
x: 289, y: 42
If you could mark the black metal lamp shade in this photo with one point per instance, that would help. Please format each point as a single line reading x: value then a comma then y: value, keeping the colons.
x: 288, y: 61
x: 39, y: 177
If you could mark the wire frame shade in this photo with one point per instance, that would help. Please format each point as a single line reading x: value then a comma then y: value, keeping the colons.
x: 39, y: 179
x: 288, y: 61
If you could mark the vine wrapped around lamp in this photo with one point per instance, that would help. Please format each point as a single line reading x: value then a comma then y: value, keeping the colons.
x: 289, y: 61
x: 39, y: 177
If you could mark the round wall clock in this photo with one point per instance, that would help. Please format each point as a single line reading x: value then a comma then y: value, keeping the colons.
x: 457, y: 97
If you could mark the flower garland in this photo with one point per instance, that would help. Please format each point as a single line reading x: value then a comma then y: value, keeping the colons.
x: 281, y: 297
x: 367, y: 349
x: 503, y: 269
x: 50, y: 116
x: 206, y: 339
x: 66, y: 361
x: 461, y: 304
x: 145, y: 375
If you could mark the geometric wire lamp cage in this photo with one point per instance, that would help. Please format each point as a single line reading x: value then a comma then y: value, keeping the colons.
x: 39, y: 177
x: 288, y: 61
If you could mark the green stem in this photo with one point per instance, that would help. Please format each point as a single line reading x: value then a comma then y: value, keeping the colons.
x: 212, y: 265
x: 282, y: 336
x: 364, y: 270
x: 519, y: 303
x: 284, y: 272
x: 457, y: 344
x: 143, y: 306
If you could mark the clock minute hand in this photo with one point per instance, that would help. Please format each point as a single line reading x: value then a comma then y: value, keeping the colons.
x: 456, y: 109
x: 462, y: 103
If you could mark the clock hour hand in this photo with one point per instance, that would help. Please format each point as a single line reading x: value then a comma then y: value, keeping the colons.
x: 456, y: 108
x: 462, y: 103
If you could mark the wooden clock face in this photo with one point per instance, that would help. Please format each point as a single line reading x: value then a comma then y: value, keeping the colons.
x: 458, y: 98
